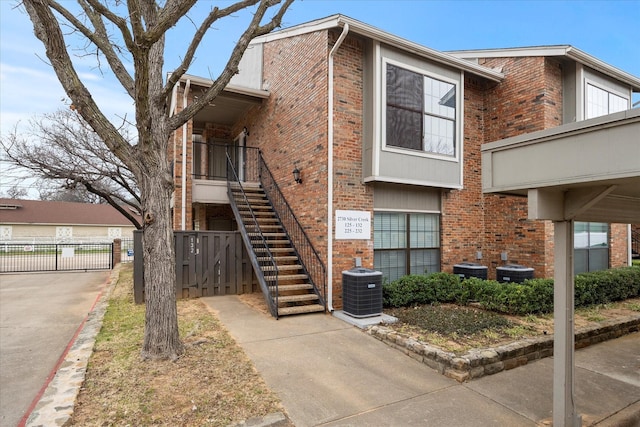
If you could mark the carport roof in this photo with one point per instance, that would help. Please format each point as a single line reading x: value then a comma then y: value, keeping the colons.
x: 584, y: 171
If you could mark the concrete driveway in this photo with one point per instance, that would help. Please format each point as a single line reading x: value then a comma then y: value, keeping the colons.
x: 39, y: 315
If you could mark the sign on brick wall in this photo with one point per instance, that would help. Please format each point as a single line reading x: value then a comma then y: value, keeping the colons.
x: 353, y: 225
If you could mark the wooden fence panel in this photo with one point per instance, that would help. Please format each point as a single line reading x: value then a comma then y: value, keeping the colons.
x: 208, y: 263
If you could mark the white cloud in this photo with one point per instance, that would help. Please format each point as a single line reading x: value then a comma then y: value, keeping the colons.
x: 27, y: 92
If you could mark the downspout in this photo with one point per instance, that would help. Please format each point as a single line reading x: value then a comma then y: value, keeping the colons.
x: 172, y: 111
x: 184, y: 159
x: 345, y: 31
x: 629, y: 246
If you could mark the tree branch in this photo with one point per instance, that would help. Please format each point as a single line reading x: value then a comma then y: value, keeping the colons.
x: 47, y: 30
x: 253, y: 30
x: 213, y: 16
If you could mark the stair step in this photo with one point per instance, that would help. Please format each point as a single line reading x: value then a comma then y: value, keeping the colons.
x: 270, y: 242
x: 261, y: 207
x: 274, y: 250
x: 249, y: 186
x: 295, y: 287
x: 300, y: 309
x: 254, y: 197
x: 259, y: 213
x: 254, y: 205
x: 286, y: 258
x: 297, y: 298
x: 285, y: 277
x: 291, y: 267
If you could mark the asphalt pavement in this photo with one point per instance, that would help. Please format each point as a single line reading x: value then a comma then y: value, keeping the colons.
x: 40, y: 314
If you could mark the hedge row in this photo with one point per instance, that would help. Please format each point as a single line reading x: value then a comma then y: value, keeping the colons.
x: 532, y: 296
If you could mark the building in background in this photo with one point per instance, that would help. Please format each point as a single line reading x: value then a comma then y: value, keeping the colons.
x: 36, y: 221
x: 374, y: 142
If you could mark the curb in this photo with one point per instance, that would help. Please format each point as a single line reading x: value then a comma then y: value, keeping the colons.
x: 488, y: 361
x: 54, y: 406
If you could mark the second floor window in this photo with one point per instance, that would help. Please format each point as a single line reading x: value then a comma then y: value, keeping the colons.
x: 600, y: 102
x: 421, y: 112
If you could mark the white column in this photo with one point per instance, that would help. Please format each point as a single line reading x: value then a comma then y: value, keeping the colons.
x: 564, y: 410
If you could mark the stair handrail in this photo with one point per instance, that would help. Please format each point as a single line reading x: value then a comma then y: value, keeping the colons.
x: 311, y: 262
x: 268, y: 285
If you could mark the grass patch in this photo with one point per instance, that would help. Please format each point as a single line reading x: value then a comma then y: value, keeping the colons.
x: 213, y: 384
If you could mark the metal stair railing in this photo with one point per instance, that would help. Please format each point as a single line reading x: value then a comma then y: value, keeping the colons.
x: 311, y: 262
x: 265, y: 267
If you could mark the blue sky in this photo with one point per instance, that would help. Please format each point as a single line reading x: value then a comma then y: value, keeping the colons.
x: 608, y: 30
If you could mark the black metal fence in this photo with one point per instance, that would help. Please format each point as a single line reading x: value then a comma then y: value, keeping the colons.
x: 127, y: 250
x: 16, y: 258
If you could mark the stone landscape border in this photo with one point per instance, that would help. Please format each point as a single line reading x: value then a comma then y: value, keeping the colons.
x: 488, y: 361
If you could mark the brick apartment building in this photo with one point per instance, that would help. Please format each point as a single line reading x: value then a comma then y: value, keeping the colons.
x: 388, y: 132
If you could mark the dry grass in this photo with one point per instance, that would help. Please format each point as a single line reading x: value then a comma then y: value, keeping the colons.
x: 213, y: 384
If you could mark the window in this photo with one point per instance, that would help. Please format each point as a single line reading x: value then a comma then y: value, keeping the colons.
x: 5, y: 233
x: 64, y: 233
x: 420, y: 112
x: 600, y: 102
x: 114, y: 232
x: 406, y: 243
x: 591, y: 246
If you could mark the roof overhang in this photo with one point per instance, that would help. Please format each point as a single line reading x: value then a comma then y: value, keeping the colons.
x: 229, y: 106
x: 583, y: 171
x: 565, y: 51
x: 365, y: 30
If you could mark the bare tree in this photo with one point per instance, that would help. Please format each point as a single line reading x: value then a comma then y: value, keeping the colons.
x: 135, y: 30
x: 16, y: 192
x: 61, y: 148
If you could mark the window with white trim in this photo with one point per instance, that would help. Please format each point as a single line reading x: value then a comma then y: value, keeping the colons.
x: 420, y: 112
x: 115, y: 232
x: 600, y: 102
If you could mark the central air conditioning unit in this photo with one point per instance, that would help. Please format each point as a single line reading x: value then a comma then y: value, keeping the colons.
x: 513, y: 273
x: 362, y: 292
x: 466, y: 270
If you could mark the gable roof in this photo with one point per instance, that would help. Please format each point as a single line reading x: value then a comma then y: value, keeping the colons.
x: 15, y: 211
x: 366, y: 30
x: 566, y: 51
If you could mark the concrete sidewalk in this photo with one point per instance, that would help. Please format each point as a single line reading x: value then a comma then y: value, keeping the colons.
x: 327, y: 372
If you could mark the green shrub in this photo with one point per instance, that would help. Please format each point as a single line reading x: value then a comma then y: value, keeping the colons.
x: 530, y: 297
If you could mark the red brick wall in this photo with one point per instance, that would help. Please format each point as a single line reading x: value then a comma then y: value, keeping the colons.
x: 619, y: 245
x: 291, y: 129
x: 462, y: 210
x: 528, y: 100
x: 350, y: 193
x: 176, y: 153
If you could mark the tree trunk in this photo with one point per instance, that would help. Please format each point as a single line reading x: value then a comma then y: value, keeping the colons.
x: 161, y: 337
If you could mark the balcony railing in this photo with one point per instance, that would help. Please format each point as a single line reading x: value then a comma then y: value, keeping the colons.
x: 210, y: 161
